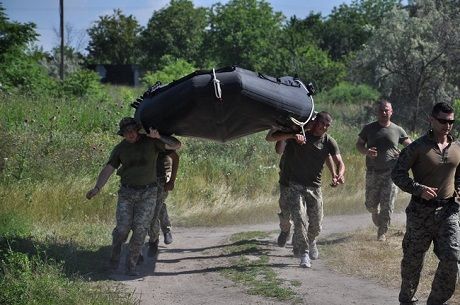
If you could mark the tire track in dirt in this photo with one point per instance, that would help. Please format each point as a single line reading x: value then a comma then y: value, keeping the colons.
x: 187, y: 271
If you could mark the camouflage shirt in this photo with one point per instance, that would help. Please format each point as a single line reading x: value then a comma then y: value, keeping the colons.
x: 430, y: 167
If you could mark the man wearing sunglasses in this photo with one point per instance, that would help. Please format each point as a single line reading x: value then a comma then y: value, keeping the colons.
x: 379, y: 141
x: 432, y: 213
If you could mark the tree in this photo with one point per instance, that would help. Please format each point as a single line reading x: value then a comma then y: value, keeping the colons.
x: 300, y: 55
x: 349, y: 27
x: 114, y: 39
x: 18, y: 63
x: 177, y: 30
x: 14, y: 36
x: 245, y: 33
x: 410, y: 57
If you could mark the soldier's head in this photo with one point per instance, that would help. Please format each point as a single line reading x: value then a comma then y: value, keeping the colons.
x: 129, y: 129
x: 442, y: 118
x: 384, y: 111
x: 322, y: 122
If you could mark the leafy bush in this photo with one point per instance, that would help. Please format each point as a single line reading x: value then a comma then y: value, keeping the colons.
x: 347, y: 93
x: 82, y: 83
x: 22, y: 73
x: 171, y: 69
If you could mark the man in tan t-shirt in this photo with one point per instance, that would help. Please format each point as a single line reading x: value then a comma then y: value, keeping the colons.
x: 379, y: 141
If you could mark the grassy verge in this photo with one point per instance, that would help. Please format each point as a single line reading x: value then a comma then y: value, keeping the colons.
x: 56, y: 264
x: 251, y: 268
x: 359, y: 254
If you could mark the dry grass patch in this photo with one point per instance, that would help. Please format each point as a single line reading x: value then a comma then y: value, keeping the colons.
x: 359, y: 254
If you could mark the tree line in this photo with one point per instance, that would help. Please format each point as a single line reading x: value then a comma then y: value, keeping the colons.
x: 409, y: 53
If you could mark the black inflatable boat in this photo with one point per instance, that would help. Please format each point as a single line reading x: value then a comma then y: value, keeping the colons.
x: 225, y: 104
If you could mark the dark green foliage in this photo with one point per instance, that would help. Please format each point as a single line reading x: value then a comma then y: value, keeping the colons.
x: 82, y: 83
x: 245, y: 33
x: 169, y: 69
x: 177, y: 30
x: 114, y: 39
x: 349, y: 27
x: 346, y: 93
x: 14, y: 36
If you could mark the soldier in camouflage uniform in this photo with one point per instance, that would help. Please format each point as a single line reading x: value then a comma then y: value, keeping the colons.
x: 284, y: 214
x: 137, y: 154
x: 167, y: 166
x: 379, y: 142
x: 432, y: 213
x: 303, y: 162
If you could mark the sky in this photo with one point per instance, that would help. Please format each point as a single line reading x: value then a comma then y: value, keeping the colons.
x: 79, y: 15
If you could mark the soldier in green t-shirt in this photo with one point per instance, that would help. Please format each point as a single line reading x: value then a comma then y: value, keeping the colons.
x: 135, y: 158
x: 285, y: 214
x: 379, y: 141
x: 303, y: 161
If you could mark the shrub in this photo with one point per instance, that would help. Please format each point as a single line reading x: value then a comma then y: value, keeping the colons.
x: 22, y: 73
x: 171, y: 69
x: 82, y: 83
x: 347, y: 93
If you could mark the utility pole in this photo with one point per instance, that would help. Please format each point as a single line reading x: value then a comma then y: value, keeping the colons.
x: 61, y: 13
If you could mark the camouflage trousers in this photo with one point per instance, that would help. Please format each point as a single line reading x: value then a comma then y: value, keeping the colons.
x: 284, y: 214
x: 380, y: 194
x: 160, y: 219
x: 305, y: 205
x: 134, y: 213
x: 424, y: 225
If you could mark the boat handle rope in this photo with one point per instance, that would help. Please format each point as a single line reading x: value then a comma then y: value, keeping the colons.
x: 216, y: 83
x: 297, y: 122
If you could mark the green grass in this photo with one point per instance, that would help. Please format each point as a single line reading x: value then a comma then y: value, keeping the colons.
x: 51, y: 151
x: 252, y: 268
x: 37, y: 280
x: 356, y: 254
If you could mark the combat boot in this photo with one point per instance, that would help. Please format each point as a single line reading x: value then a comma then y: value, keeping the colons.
x: 375, y: 219
x: 282, y: 238
x: 168, y: 238
x: 115, y: 257
x: 131, y: 266
x: 153, y: 248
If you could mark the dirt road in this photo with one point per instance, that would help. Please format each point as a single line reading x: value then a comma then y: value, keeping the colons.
x: 187, y: 271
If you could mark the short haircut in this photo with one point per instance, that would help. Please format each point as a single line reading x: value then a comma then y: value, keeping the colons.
x: 441, y: 107
x: 324, y: 115
x: 382, y: 103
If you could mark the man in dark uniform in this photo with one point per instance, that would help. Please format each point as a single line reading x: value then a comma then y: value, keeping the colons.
x: 137, y: 155
x: 432, y: 213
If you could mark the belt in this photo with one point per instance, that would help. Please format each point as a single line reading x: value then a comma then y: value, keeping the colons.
x: 383, y: 170
x: 434, y: 202
x: 139, y: 187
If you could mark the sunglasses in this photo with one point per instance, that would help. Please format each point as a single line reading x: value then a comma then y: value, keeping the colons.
x: 444, y: 121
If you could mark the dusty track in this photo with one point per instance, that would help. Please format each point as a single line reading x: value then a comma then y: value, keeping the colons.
x: 187, y: 271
